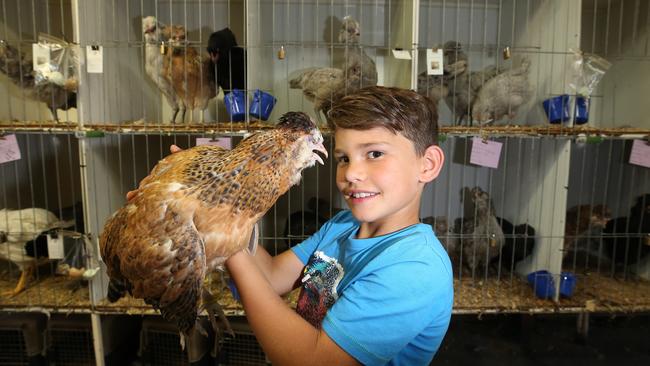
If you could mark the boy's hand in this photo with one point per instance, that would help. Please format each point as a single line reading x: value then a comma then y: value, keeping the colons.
x: 131, y: 194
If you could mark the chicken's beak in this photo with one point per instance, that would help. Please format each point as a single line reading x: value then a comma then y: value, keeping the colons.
x: 319, y: 148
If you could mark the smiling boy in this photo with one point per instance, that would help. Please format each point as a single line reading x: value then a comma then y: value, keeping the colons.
x: 376, y: 285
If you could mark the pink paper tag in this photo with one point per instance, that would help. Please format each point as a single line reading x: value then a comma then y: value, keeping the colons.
x: 485, y: 153
x: 640, y: 154
x: 9, y: 150
x: 224, y: 142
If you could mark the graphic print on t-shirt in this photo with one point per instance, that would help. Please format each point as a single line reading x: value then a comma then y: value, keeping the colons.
x: 320, y: 278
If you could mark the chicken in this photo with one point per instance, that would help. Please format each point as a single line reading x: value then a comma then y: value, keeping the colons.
x: 448, y: 240
x: 155, y: 36
x: 503, y: 94
x: 452, y: 52
x: 197, y: 208
x: 481, y: 237
x: 519, y: 243
x: 54, y: 90
x: 322, y: 86
x: 191, y: 74
x: 436, y: 87
x: 17, y: 229
x: 463, y: 90
x: 583, y: 222
x: 627, y: 239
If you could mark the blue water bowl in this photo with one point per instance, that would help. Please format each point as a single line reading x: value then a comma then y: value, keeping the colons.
x: 543, y: 284
x: 262, y: 105
x: 567, y: 284
x: 557, y: 109
x: 236, y: 105
x: 582, y: 110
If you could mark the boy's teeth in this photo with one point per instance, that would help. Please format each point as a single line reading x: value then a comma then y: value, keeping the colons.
x: 362, y: 195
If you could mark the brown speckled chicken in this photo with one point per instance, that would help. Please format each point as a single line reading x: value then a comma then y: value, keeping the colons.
x: 197, y: 208
x: 436, y: 87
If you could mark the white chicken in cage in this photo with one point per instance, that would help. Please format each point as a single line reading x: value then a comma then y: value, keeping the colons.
x: 18, y: 227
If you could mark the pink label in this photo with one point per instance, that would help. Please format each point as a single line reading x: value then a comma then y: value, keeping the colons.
x: 224, y: 142
x: 9, y: 150
x: 485, y: 153
x: 640, y: 154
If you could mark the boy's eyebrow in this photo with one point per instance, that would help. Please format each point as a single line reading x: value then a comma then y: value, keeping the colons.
x: 364, y: 146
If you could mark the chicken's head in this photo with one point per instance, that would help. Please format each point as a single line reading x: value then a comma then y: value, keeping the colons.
x: 149, y: 25
x: 350, y: 30
x: 307, y: 142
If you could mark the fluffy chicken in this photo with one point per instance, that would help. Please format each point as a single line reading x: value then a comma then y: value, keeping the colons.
x: 628, y: 238
x: 155, y: 36
x: 197, y: 208
x: 191, y: 74
x: 54, y: 90
x: 436, y: 87
x: 503, y: 94
x: 464, y: 88
x: 322, y: 86
x: 481, y: 235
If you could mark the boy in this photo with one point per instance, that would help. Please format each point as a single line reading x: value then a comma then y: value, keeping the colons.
x: 376, y: 284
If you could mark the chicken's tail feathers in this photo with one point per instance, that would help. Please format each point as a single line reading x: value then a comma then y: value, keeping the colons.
x: 116, y: 290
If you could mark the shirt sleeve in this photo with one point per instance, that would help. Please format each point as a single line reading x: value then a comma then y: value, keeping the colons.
x: 383, y: 310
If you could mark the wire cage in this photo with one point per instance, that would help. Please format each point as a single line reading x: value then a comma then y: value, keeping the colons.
x: 160, y: 345
x: 70, y: 340
x: 243, y: 349
x: 22, y: 339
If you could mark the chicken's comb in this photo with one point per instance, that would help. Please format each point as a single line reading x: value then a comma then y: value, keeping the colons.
x: 296, y: 121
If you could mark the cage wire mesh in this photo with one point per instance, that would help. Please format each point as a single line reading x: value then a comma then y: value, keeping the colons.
x: 70, y: 341
x: 12, y: 347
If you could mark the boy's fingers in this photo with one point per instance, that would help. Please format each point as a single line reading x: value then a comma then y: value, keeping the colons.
x: 174, y: 149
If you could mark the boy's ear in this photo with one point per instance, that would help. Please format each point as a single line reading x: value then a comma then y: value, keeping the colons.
x: 432, y: 162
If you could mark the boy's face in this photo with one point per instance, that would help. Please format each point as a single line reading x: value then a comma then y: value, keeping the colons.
x: 380, y: 177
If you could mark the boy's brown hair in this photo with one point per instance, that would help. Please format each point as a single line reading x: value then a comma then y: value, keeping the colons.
x: 400, y: 111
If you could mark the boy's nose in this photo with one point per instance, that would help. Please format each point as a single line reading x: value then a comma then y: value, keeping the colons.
x: 354, y: 172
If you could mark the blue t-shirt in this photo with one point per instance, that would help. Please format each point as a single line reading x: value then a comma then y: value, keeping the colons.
x: 384, y: 300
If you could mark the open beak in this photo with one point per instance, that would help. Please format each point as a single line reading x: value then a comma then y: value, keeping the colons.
x: 319, y: 148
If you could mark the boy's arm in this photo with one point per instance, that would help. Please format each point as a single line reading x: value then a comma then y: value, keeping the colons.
x: 281, y: 271
x: 285, y: 336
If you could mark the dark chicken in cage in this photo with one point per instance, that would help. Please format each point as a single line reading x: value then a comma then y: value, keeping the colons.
x: 55, y: 88
x: 197, y: 208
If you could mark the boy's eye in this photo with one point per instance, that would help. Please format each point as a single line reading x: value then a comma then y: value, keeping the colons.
x: 375, y: 154
x: 342, y: 159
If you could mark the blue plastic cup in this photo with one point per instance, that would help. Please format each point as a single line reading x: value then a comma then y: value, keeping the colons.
x: 262, y: 105
x: 236, y: 105
x: 567, y: 284
x: 582, y: 110
x: 543, y: 284
x: 557, y: 109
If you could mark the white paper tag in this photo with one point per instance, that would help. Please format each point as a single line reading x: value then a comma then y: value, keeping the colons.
x: 55, y: 247
x: 434, y: 62
x: 640, y: 154
x: 9, y: 149
x: 225, y: 142
x: 94, y: 59
x: 40, y: 56
x: 401, y: 54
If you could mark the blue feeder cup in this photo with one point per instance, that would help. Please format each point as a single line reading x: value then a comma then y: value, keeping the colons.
x: 557, y: 109
x: 567, y: 284
x: 236, y: 105
x: 582, y: 110
x: 262, y: 105
x: 543, y: 284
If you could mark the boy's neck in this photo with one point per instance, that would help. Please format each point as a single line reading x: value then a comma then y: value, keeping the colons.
x: 374, y: 229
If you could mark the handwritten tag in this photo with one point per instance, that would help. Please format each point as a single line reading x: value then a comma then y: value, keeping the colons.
x: 55, y: 247
x: 225, y: 142
x: 94, y: 59
x: 434, y: 62
x: 401, y: 54
x: 485, y: 153
x: 9, y: 149
x: 640, y: 154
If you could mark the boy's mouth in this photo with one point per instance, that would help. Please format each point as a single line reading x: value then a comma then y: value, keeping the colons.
x: 357, y: 196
